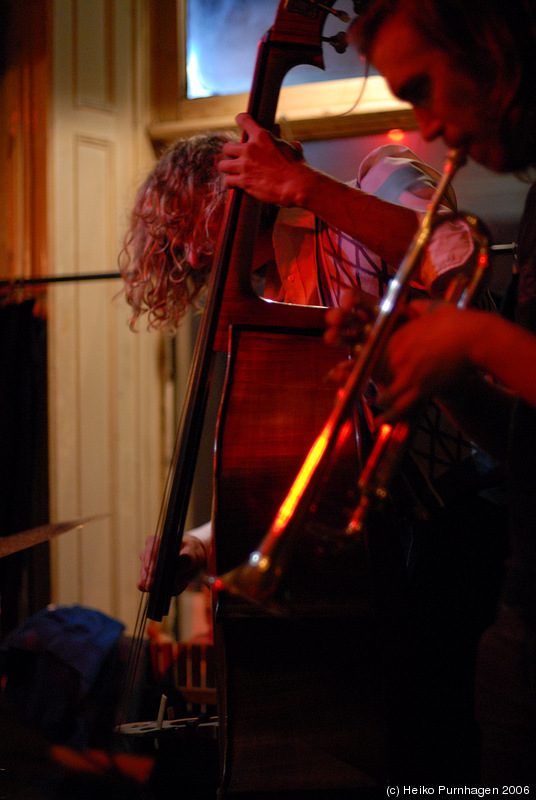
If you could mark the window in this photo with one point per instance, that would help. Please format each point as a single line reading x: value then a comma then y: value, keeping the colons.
x: 209, y: 65
x: 221, y: 47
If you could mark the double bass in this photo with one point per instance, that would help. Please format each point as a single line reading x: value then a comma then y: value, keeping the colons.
x: 301, y: 696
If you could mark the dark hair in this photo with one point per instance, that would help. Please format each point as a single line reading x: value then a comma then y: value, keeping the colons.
x: 174, y: 210
x: 463, y: 28
x: 483, y: 38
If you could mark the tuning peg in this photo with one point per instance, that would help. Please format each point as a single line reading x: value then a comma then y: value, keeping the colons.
x: 339, y: 41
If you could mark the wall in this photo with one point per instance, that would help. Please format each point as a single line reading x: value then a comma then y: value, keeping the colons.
x: 106, y: 450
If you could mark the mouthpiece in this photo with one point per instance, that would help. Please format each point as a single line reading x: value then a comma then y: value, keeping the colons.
x: 456, y: 158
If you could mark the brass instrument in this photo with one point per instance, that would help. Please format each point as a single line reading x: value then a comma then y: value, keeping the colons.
x: 258, y: 579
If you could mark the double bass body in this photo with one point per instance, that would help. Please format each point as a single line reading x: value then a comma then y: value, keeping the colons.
x: 306, y: 690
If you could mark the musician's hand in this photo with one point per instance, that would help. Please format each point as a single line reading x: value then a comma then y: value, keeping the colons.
x: 427, y: 356
x: 269, y: 168
x: 191, y: 560
x: 350, y: 323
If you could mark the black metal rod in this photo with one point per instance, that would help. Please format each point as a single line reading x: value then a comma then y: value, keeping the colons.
x: 93, y: 276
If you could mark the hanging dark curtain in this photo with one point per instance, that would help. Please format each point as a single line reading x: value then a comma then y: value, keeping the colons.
x: 24, y: 576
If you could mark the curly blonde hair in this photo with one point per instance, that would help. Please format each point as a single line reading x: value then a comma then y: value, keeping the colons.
x: 177, y: 209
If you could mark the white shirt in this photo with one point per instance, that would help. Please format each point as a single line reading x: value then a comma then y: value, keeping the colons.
x: 315, y: 259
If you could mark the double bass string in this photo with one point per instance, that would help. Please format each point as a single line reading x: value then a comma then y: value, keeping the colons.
x: 136, y: 644
x: 134, y: 655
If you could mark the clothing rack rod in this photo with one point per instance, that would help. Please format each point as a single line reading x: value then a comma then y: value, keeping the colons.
x: 92, y: 276
x: 98, y: 276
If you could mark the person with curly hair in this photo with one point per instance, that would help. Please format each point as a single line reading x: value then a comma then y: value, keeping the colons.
x: 170, y: 243
x: 174, y: 224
